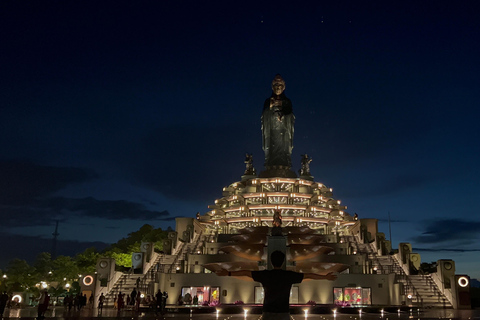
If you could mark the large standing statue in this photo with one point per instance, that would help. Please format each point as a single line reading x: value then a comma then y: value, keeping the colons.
x: 277, y: 127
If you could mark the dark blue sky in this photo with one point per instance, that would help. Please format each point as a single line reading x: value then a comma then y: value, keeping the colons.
x: 116, y: 114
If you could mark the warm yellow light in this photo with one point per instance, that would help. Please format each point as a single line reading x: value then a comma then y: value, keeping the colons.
x: 463, y: 282
x: 88, y: 280
x: 67, y: 285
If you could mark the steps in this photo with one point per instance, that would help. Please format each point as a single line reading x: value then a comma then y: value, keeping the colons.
x: 420, y: 290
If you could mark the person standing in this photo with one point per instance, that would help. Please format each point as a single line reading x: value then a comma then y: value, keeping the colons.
x: 120, y: 301
x: 3, y: 302
x: 164, y: 301
x: 133, y: 297
x: 137, y: 301
x: 43, y: 304
x: 277, y: 284
x: 158, y: 301
x: 188, y: 298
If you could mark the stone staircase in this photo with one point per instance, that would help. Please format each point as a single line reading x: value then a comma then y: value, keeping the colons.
x: 128, y: 281
x: 420, y: 290
x: 182, y: 252
x: 427, y: 293
x: 162, y: 263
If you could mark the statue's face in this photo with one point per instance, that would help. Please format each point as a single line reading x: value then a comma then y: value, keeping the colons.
x: 278, y: 88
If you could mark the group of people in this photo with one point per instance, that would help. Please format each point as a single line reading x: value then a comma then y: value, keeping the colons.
x: 187, y: 299
x: 77, y: 302
x: 135, y: 299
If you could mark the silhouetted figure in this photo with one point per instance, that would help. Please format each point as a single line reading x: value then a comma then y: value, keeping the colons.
x: 70, y: 302
x: 101, y: 300
x: 3, y: 302
x: 120, y: 301
x: 277, y: 284
x: 158, y: 301
x: 164, y: 301
x: 133, y: 296
x: 137, y: 301
x: 43, y: 304
x: 188, y: 298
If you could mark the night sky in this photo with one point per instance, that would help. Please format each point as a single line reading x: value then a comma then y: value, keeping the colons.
x: 115, y: 114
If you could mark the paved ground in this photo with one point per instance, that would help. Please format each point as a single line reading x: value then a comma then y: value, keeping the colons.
x: 106, y: 314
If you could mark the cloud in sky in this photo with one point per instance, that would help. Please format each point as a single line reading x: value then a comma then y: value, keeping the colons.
x: 27, y: 247
x: 449, y: 231
x: 27, y: 197
x: 24, y: 182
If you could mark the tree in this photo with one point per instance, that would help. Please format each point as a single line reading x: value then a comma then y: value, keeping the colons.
x: 87, y: 260
x: 43, y: 265
x: 65, y: 269
x: 19, y: 275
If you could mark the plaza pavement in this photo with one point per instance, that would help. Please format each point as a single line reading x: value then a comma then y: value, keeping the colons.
x: 30, y: 313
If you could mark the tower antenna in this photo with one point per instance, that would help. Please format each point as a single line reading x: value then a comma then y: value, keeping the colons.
x: 55, y: 234
x: 390, y: 230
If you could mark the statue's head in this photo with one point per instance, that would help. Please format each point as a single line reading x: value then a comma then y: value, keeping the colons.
x: 278, y: 85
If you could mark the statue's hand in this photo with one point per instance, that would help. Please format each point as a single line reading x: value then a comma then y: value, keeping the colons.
x: 222, y: 273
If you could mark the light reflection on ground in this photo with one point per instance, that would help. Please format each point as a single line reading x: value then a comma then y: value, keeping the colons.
x: 60, y: 313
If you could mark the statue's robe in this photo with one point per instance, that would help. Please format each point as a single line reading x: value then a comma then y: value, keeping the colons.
x: 278, y: 135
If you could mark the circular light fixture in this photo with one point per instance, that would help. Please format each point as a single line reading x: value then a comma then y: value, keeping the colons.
x: 88, y: 280
x: 17, y: 298
x: 409, y: 296
x: 448, y: 265
x: 103, y: 264
x: 463, y: 282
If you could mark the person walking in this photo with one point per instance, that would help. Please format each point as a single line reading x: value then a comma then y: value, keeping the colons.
x: 43, y: 304
x: 277, y: 284
x: 120, y: 301
x: 101, y: 300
